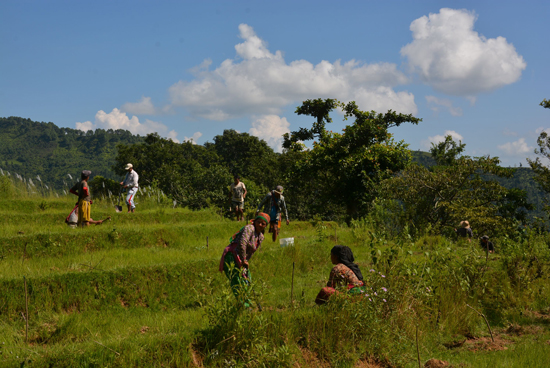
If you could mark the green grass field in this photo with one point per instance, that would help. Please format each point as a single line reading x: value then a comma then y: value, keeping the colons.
x: 143, y: 290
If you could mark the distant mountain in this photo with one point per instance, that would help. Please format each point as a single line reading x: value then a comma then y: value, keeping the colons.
x: 31, y: 148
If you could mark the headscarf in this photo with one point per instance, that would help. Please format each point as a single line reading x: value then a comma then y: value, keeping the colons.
x: 345, y: 256
x: 262, y: 216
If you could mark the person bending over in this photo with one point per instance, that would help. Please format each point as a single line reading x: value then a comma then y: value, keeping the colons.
x: 82, y: 190
x: 235, y: 257
x: 344, y: 274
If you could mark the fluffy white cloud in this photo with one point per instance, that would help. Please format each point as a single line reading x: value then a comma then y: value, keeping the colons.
x: 450, y: 56
x: 517, y: 148
x: 436, y: 104
x: 427, y: 144
x: 193, y: 139
x: 143, y: 107
x: 270, y: 128
x: 117, y: 119
x: 261, y: 82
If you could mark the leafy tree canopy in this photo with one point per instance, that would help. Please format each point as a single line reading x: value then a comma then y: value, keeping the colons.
x: 192, y: 175
x: 457, y: 189
x: 248, y: 156
x: 344, y: 169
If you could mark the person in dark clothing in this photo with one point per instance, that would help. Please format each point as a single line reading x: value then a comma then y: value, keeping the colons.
x: 486, y: 244
x: 464, y: 231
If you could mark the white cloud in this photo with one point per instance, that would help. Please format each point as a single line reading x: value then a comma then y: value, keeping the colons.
x: 261, y: 82
x: 117, y: 119
x: 436, y: 104
x: 509, y: 133
x: 270, y: 128
x: 451, y: 57
x: 427, y: 144
x: 517, y: 148
x: 194, y: 138
x: 172, y: 135
x: 143, y: 107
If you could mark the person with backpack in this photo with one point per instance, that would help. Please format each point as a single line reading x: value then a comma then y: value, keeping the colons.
x: 274, y: 203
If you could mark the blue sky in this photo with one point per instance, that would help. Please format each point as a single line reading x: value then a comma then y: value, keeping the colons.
x: 475, y: 70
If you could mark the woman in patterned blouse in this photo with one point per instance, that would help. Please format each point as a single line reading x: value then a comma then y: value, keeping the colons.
x: 345, y: 273
x: 235, y: 257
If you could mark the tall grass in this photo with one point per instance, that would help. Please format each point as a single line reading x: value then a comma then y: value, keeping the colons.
x: 144, y: 290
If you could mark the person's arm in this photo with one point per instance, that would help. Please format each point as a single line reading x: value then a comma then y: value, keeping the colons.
x: 266, y: 198
x: 286, y: 212
x: 73, y: 190
x: 123, y: 182
x: 245, y: 239
x: 244, y: 194
x: 333, y: 277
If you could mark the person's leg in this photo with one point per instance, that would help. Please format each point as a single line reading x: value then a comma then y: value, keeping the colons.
x: 235, y: 209
x: 273, y: 229
x: 84, y: 210
x: 240, y: 209
x: 239, y: 285
x: 130, y: 199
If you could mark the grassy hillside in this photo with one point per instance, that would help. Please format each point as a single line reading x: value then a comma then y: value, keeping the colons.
x: 144, y: 290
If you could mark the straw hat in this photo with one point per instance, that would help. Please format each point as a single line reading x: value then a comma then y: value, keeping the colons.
x: 465, y: 224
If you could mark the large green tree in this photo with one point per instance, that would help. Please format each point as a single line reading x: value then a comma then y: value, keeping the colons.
x: 542, y: 172
x: 248, y: 156
x: 458, y: 188
x: 191, y: 174
x: 343, y: 170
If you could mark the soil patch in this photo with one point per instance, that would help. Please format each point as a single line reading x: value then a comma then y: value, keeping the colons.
x: 486, y: 344
x: 436, y: 363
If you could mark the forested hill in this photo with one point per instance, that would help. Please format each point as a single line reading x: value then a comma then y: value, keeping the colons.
x: 31, y: 148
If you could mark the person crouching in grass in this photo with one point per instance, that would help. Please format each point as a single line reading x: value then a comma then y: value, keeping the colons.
x: 235, y: 257
x: 345, y: 274
x: 82, y: 190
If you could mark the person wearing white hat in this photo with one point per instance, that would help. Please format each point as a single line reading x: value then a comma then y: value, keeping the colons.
x: 131, y: 184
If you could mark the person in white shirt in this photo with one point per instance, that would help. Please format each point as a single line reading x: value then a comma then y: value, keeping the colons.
x: 131, y: 183
x: 237, y: 193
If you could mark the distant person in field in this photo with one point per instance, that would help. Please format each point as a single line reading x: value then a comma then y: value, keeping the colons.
x: 274, y: 203
x: 82, y: 190
x: 237, y: 194
x: 344, y: 275
x: 131, y: 184
x: 486, y: 244
x: 464, y: 231
x: 237, y: 255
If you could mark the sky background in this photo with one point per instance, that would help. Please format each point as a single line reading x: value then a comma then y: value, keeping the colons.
x: 189, y: 69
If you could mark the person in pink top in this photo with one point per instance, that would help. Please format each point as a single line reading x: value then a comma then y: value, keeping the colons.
x: 236, y: 256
